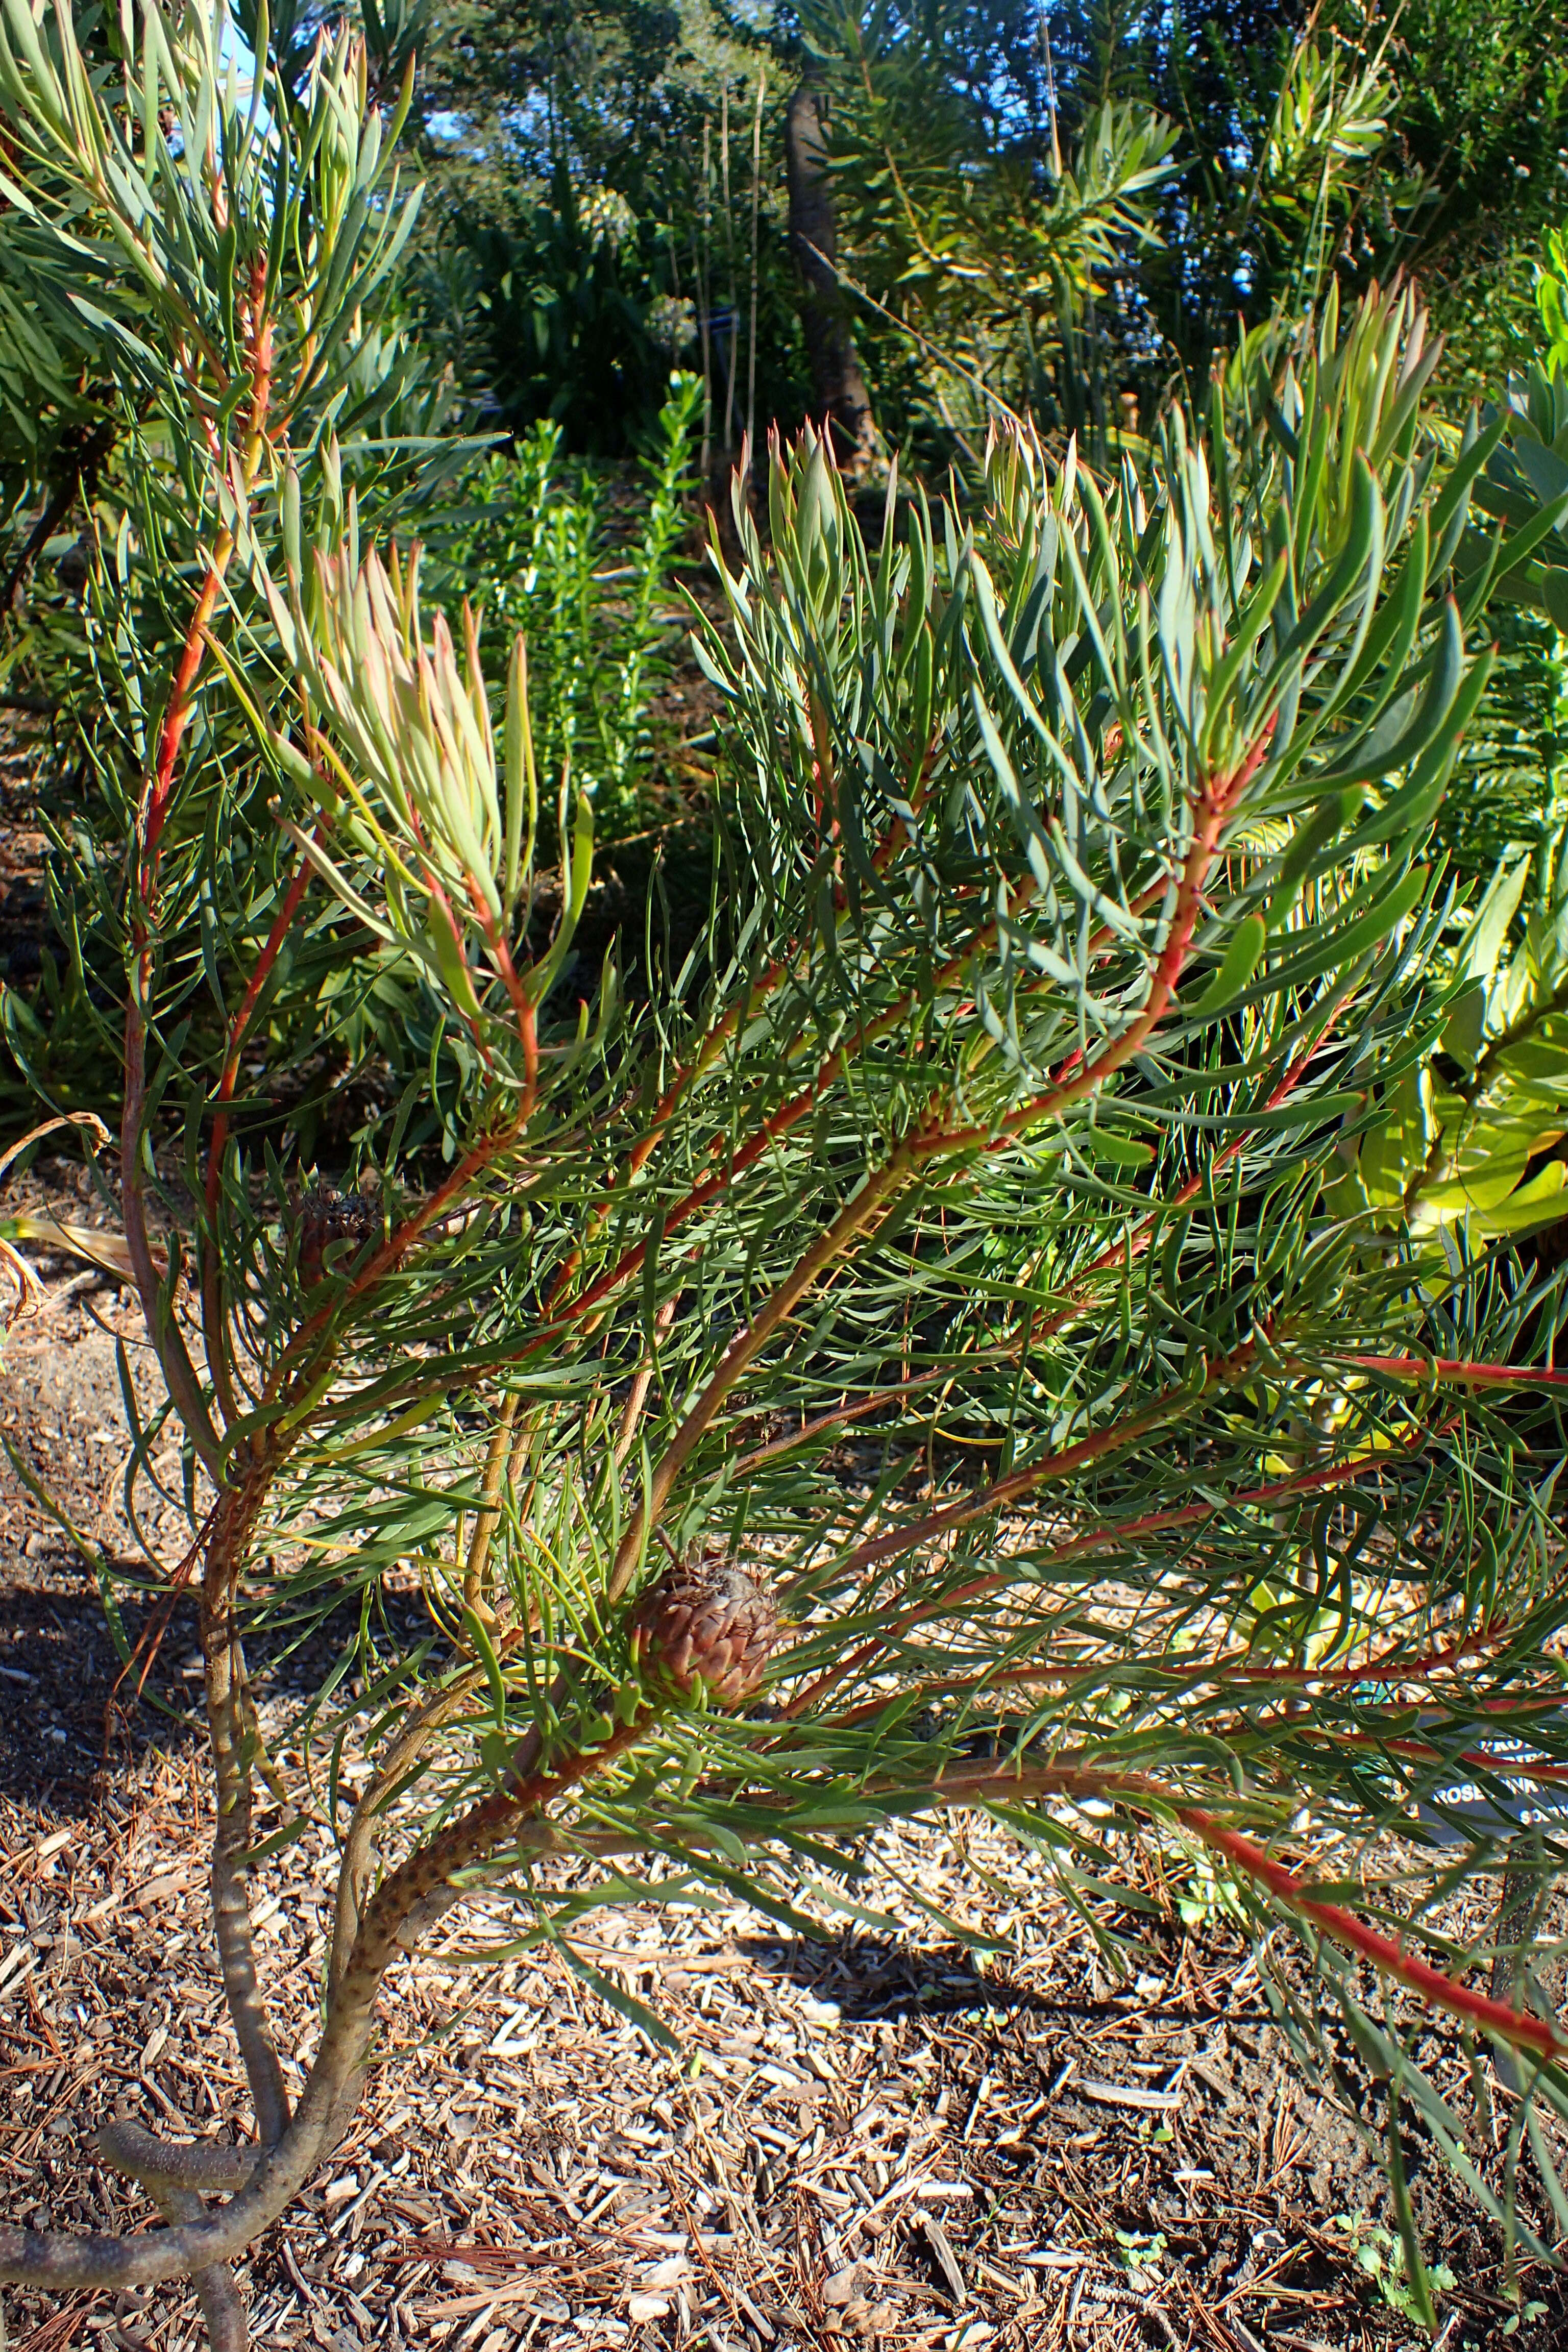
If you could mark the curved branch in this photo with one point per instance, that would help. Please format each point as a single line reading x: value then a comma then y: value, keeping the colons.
x: 358, y: 1862
x: 227, y: 2327
x: 1513, y: 2025
x: 1080, y: 1078
x: 208, y: 2165
x: 233, y: 1835
x: 406, y: 1903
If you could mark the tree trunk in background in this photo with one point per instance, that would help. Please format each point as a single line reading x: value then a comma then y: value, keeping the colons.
x: 841, y: 399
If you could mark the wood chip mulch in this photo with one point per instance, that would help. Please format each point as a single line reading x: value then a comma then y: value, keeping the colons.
x: 895, y: 2143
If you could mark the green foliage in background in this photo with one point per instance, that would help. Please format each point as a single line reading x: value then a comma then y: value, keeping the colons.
x: 1429, y: 137
x: 1478, y: 117
x: 556, y: 311
x: 1551, y: 300
x: 590, y: 194
x: 368, y: 415
x: 984, y: 155
x: 1470, y: 1138
x: 947, y: 226
x: 600, y: 617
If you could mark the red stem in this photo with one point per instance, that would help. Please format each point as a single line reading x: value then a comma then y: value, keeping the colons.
x: 703, y: 1060
x: 778, y: 1124
x: 1420, y: 1751
x: 496, y: 940
x: 780, y: 1121
x: 986, y: 1783
x: 1120, y: 1253
x: 184, y: 1388
x: 844, y: 1414
x: 182, y: 695
x: 1133, y: 1243
x: 443, y: 907
x: 1239, y: 1670
x: 1343, y: 1927
x: 1074, y: 1083
x: 1009, y: 1490
x: 283, y: 922
x: 1457, y: 1367
x: 182, y: 690
x: 430, y: 1211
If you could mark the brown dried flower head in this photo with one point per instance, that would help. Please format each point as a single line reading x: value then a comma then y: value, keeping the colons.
x: 706, y: 1619
x: 326, y: 1215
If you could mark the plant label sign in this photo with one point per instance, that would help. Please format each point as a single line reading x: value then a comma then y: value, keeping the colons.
x: 1491, y: 1790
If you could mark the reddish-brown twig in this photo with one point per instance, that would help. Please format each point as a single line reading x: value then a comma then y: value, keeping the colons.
x: 1080, y: 1077
x: 1341, y: 1927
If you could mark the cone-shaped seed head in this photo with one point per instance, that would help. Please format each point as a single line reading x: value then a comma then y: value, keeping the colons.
x: 706, y: 1618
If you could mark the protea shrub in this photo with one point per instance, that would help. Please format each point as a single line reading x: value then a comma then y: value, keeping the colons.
x: 1073, y: 926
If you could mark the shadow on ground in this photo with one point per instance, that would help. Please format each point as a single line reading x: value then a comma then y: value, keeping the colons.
x: 58, y: 1671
